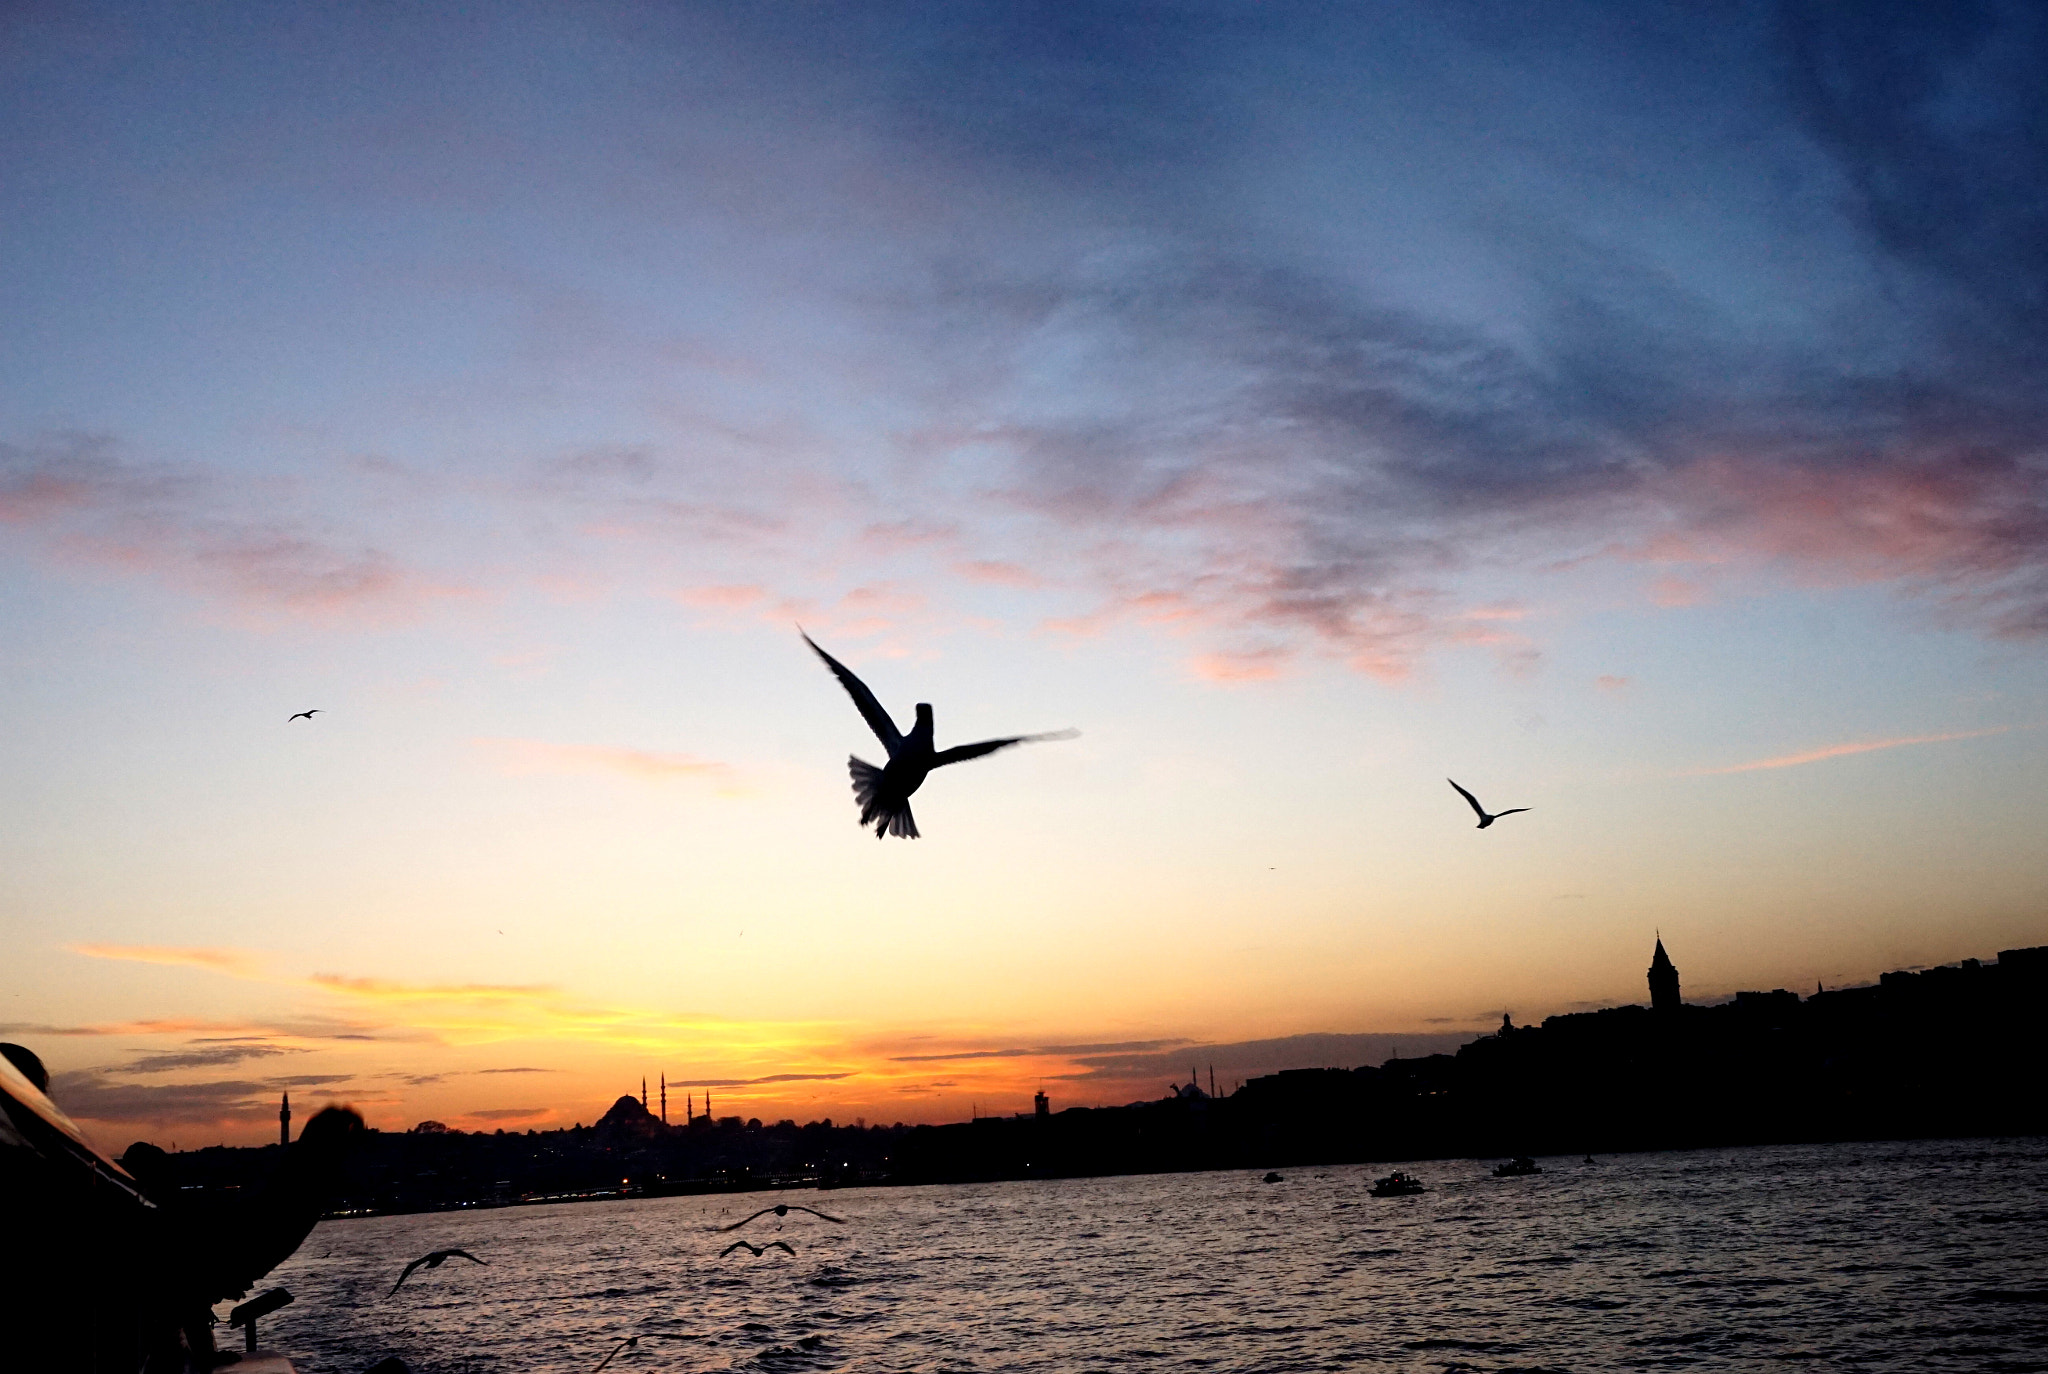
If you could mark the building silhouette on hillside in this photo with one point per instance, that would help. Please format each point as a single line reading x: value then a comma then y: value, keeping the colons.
x: 1663, y: 980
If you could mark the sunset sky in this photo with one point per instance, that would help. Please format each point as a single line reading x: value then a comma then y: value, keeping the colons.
x: 1637, y: 416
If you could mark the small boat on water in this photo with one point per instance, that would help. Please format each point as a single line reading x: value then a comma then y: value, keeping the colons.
x: 1519, y: 1167
x: 1397, y: 1184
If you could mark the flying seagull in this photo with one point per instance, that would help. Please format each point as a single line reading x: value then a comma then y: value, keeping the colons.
x: 305, y: 715
x: 782, y: 1209
x: 434, y: 1261
x: 884, y: 793
x: 757, y: 1250
x: 1485, y: 819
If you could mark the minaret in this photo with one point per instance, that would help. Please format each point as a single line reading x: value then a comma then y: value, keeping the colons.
x: 664, y: 1099
x: 643, y: 1092
x: 1663, y: 980
x: 284, y: 1120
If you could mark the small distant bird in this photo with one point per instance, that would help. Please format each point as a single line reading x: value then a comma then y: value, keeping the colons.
x: 757, y: 1250
x: 304, y: 715
x: 627, y: 1344
x: 434, y: 1261
x: 884, y: 793
x: 1484, y: 818
x: 782, y: 1209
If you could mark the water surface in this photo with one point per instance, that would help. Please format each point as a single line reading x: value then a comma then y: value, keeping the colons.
x: 1924, y: 1256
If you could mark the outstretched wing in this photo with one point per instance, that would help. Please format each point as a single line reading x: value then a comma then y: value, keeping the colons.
x: 870, y: 710
x: 736, y: 1225
x: 739, y: 1245
x: 463, y: 1254
x: 1509, y: 812
x: 960, y: 753
x: 814, y: 1212
x: 781, y: 1245
x: 408, y: 1273
x: 1470, y: 798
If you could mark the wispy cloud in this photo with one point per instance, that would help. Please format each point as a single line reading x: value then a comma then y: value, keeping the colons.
x: 392, y: 990
x: 193, y: 527
x: 529, y: 756
x: 1135, y: 400
x: 1041, y: 1051
x: 998, y: 572
x: 234, y: 962
x: 301, y: 1027
x: 472, y: 1013
x: 755, y: 1082
x: 211, y: 1058
x: 1836, y: 751
x: 91, y: 1095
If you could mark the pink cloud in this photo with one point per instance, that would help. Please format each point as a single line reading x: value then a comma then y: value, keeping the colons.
x: 882, y: 599
x: 722, y: 598
x: 191, y: 529
x: 1674, y: 593
x: 1967, y: 527
x: 1609, y: 682
x: 998, y: 573
x: 1247, y: 665
x: 1836, y: 751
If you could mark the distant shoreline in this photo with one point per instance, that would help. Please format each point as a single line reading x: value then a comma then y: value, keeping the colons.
x: 813, y: 1185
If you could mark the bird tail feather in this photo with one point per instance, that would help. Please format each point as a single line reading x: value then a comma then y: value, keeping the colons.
x: 888, y: 818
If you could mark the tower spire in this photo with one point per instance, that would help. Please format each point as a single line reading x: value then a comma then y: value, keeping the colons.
x: 284, y: 1120
x: 1663, y: 980
x: 664, y: 1099
x: 643, y: 1092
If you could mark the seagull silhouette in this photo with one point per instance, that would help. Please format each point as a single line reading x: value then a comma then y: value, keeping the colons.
x: 305, y: 715
x: 782, y: 1209
x: 627, y: 1344
x: 434, y: 1261
x: 757, y: 1250
x: 884, y: 793
x: 1485, y: 819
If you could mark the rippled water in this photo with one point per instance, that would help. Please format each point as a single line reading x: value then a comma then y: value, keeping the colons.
x: 1921, y: 1256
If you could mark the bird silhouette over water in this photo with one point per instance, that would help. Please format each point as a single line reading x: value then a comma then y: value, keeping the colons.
x: 434, y: 1261
x: 782, y: 1209
x: 1485, y: 818
x: 757, y: 1250
x: 626, y: 1344
x: 884, y: 793
x: 304, y: 715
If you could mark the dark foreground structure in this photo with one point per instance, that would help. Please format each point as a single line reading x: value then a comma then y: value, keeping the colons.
x: 114, y: 1268
x: 1766, y: 1067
